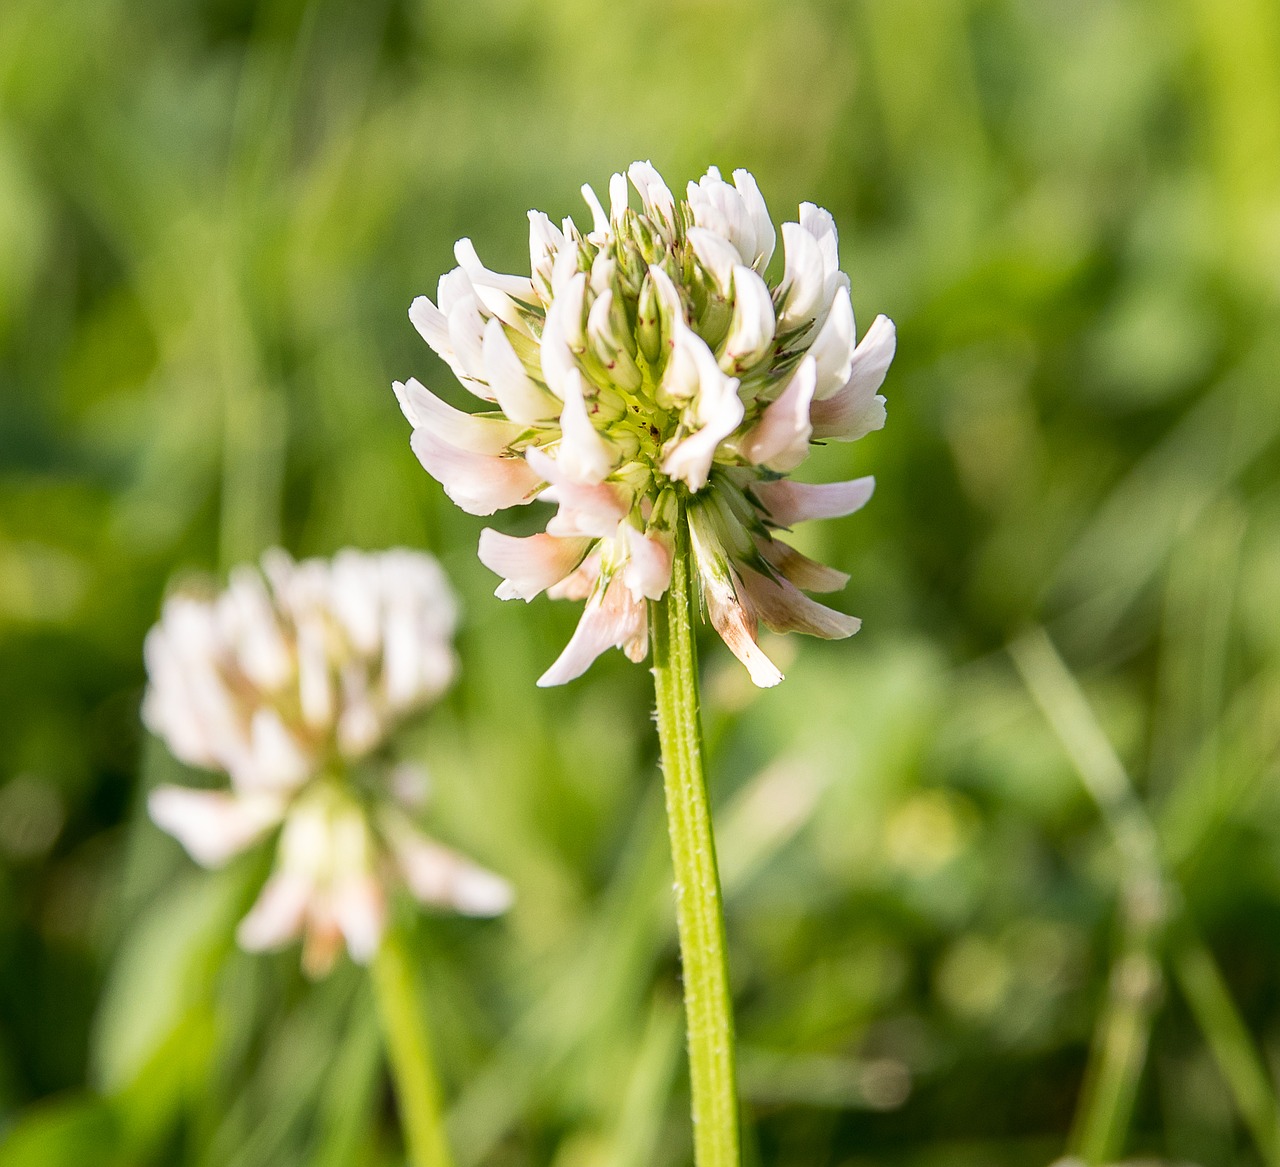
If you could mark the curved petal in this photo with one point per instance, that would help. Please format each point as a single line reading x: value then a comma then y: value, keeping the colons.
x: 277, y: 916
x: 752, y: 327
x: 788, y: 503
x: 360, y: 910
x: 803, y: 280
x: 584, y: 456
x: 520, y: 287
x: 780, y: 439
x: 784, y: 608
x: 478, y: 435
x: 648, y: 569
x: 612, y: 620
x: 807, y: 574
x: 833, y: 349
x: 532, y: 564
x: 856, y: 409
x: 519, y: 396
x: 758, y: 212
x: 213, y: 825
x: 478, y: 483
x: 440, y: 877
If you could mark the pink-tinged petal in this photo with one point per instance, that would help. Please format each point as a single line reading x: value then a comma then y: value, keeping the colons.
x: 277, y: 916
x: 788, y: 503
x: 532, y: 564
x: 276, y: 760
x: 578, y: 584
x: 648, y: 569
x: 477, y: 435
x: 613, y: 620
x: 833, y: 349
x: 780, y: 439
x: 805, y: 573
x: 359, y: 908
x: 321, y: 938
x: 730, y: 616
x: 478, y: 483
x: 213, y: 825
x: 519, y: 396
x: 440, y: 877
x: 585, y: 510
x: 856, y: 410
x: 784, y: 608
x: 584, y: 456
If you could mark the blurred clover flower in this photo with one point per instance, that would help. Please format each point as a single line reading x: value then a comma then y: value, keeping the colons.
x: 282, y: 681
x: 646, y: 367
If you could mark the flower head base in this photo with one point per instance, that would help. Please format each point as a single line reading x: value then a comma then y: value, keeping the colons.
x: 646, y: 365
x: 281, y: 681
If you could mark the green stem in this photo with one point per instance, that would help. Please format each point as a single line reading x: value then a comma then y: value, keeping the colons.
x: 699, y: 914
x: 409, y: 1052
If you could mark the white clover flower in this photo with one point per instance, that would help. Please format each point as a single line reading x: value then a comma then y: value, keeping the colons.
x: 648, y: 360
x: 280, y: 681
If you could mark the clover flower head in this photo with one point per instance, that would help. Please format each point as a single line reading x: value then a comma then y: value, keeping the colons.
x: 647, y: 364
x: 281, y: 681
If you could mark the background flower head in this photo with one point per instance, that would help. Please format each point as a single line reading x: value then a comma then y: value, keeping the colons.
x: 281, y: 681
x: 649, y: 364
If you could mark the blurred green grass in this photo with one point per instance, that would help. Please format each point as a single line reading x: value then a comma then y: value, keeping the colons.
x: 213, y: 216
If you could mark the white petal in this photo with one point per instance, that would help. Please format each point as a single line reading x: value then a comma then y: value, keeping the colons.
x: 833, y: 349
x: 213, y: 825
x: 529, y: 565
x: 315, y: 689
x: 262, y: 652
x: 617, y: 197
x: 355, y: 595
x: 277, y: 916
x: 752, y: 328
x: 856, y: 409
x: 519, y: 396
x: 648, y: 569
x: 599, y: 220
x: 803, y: 280
x: 780, y: 439
x: 788, y: 503
x: 720, y: 409
x: 521, y: 287
x: 479, y: 484
x: 608, y: 621
x: 654, y: 194
x: 758, y: 213
x: 716, y: 254
x: 584, y: 456
x: 432, y: 326
x: 479, y: 435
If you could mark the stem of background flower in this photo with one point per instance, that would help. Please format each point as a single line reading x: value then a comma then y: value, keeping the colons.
x: 1152, y: 907
x: 409, y: 1053
x: 699, y: 913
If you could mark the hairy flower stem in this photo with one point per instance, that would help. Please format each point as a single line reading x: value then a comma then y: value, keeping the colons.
x: 409, y: 1052
x: 699, y: 912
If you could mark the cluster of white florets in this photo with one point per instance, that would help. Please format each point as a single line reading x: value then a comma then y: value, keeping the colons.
x: 280, y: 681
x: 647, y: 369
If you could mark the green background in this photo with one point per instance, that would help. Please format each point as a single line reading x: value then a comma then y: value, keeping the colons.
x: 213, y: 216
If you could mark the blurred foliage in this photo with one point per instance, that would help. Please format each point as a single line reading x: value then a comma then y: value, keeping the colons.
x: 213, y: 216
